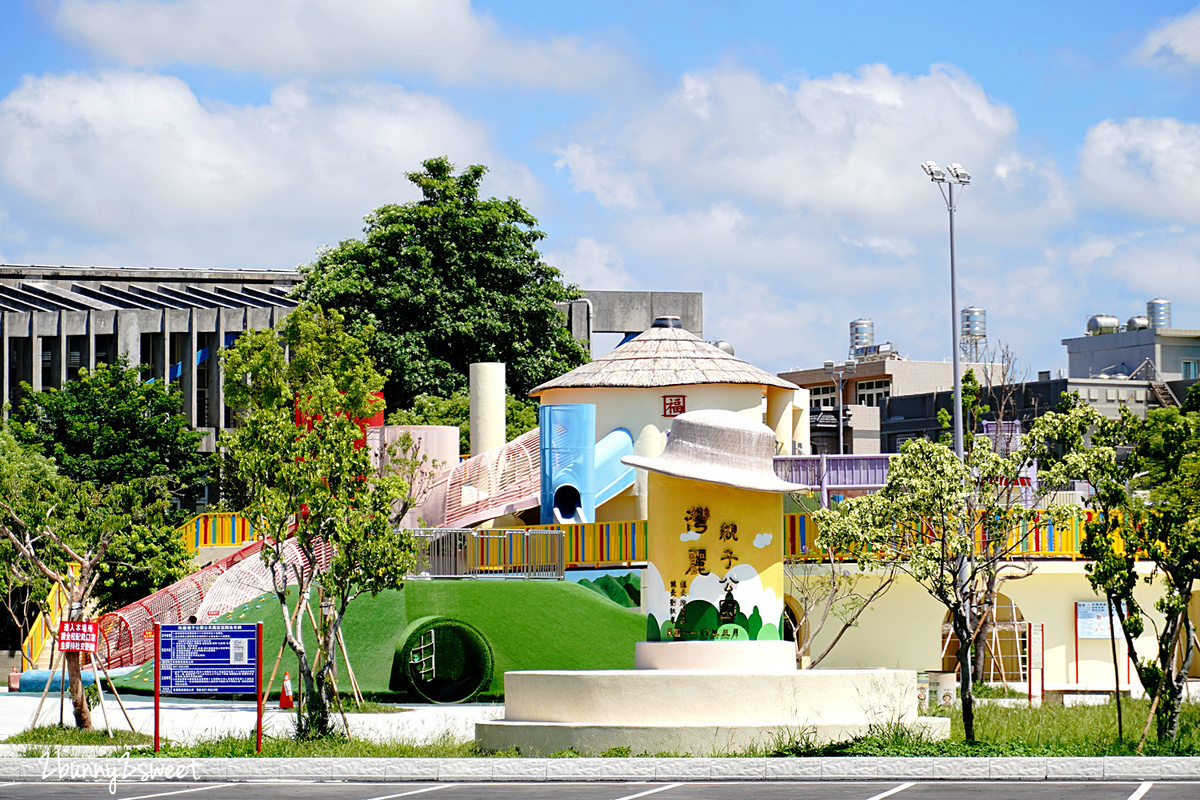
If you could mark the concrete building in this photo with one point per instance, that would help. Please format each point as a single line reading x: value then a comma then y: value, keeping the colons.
x: 56, y: 320
x: 630, y: 313
x: 911, y: 416
x: 866, y: 394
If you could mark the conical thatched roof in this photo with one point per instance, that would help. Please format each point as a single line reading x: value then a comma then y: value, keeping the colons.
x: 663, y: 357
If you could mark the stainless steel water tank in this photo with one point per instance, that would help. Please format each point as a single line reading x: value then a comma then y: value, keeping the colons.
x: 1158, y: 311
x: 974, y: 323
x: 1102, y: 323
x: 1137, y: 323
x: 862, y: 333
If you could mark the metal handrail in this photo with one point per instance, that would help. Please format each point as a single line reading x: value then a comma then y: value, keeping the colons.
x: 499, y: 553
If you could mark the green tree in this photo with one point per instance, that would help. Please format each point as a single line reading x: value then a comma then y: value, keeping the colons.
x: 307, y: 480
x: 520, y: 416
x: 447, y: 281
x: 1146, y: 489
x: 1191, y: 401
x: 950, y: 526
x: 110, y: 426
x: 973, y: 412
x: 76, y: 535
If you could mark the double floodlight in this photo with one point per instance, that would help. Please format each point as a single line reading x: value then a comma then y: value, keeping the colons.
x: 936, y: 173
x: 848, y: 367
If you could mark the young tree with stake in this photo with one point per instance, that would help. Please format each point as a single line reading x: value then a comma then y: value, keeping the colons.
x: 300, y: 392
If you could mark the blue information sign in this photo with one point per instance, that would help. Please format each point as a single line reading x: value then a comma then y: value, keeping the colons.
x: 208, y: 659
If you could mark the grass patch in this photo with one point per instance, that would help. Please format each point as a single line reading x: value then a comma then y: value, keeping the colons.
x: 62, y: 735
x: 331, y: 747
x: 370, y: 707
x: 1043, y: 731
x: 986, y: 691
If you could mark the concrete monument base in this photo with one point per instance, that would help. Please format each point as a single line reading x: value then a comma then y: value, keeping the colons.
x: 767, y: 656
x: 699, y: 713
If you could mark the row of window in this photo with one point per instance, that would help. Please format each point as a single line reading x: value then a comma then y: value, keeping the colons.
x: 866, y: 393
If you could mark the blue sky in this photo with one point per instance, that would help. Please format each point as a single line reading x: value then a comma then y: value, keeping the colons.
x: 766, y: 154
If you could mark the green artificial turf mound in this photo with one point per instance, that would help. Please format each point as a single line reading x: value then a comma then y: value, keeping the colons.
x: 526, y: 624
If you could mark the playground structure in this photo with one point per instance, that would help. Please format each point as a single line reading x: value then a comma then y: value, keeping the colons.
x: 557, y: 498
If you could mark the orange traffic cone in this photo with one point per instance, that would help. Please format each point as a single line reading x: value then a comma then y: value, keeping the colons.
x: 285, y: 694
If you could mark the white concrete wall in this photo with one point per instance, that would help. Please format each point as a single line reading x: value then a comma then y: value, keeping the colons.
x: 903, y: 629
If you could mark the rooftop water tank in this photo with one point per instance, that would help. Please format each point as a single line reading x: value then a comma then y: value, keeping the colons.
x: 1102, y: 323
x: 1158, y: 311
x: 1138, y: 323
x: 862, y: 333
x: 974, y: 323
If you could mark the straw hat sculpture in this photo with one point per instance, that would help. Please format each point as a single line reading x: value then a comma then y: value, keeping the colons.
x: 721, y: 447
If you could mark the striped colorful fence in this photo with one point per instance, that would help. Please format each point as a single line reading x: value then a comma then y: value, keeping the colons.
x: 603, y: 544
x: 43, y: 628
x: 799, y: 532
x: 1041, y: 536
x: 216, y: 530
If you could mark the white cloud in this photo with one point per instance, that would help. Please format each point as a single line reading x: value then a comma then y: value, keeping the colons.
x: 595, y: 172
x: 845, y: 147
x: 1149, y: 166
x: 138, y: 159
x: 1175, y: 42
x: 447, y: 38
x: 1165, y: 265
x: 592, y: 265
x: 762, y: 540
x: 688, y: 536
x: 1097, y: 248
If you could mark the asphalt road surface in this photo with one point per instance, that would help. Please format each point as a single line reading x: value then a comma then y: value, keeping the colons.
x: 755, y: 790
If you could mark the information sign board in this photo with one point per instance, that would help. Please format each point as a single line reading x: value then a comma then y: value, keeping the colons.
x: 1091, y: 620
x: 208, y: 659
x: 78, y: 637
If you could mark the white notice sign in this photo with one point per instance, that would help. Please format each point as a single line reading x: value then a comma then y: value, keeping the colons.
x: 1035, y: 645
x: 1091, y: 620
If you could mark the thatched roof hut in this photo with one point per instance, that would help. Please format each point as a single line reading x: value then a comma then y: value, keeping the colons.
x: 663, y: 357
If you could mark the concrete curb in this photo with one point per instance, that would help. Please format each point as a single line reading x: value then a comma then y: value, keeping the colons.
x: 476, y: 770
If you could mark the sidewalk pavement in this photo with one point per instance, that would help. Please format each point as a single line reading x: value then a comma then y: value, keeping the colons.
x: 187, y: 720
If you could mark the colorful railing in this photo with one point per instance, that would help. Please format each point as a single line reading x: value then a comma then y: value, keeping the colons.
x: 216, y: 530
x: 1042, y: 537
x: 43, y: 629
x: 603, y: 544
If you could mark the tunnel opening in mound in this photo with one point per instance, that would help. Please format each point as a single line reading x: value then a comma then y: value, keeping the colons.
x: 443, y: 660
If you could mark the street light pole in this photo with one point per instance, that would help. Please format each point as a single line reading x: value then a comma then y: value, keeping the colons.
x: 838, y: 371
x: 958, y: 176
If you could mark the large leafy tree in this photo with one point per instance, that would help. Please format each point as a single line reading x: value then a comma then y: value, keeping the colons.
x: 98, y: 544
x: 300, y: 391
x: 110, y: 426
x: 446, y: 281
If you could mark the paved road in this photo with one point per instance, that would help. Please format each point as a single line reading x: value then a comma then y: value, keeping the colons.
x: 866, y: 790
